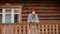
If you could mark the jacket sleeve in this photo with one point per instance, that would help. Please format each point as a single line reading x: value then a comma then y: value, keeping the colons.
x: 29, y: 18
x: 37, y: 20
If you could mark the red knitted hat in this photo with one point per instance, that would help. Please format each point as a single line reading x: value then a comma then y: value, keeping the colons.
x: 32, y: 9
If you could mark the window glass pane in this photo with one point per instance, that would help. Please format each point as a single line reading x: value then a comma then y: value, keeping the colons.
x: 0, y: 18
x: 0, y: 10
x: 16, y: 18
x: 8, y: 11
x: 8, y: 18
x: 16, y: 10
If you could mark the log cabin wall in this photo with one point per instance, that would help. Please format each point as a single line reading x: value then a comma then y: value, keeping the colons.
x: 48, y: 11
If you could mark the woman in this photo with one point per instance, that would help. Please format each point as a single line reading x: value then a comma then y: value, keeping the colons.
x: 33, y: 17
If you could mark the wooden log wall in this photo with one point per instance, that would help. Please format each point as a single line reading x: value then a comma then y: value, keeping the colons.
x: 47, y: 13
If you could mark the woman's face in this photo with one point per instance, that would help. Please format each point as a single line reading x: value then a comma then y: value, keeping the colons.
x: 33, y: 12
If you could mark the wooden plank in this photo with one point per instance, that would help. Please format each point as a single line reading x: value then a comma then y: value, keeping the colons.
x: 20, y: 29
x: 50, y: 31
x: 35, y: 29
x: 28, y: 29
x: 2, y: 29
x: 46, y: 26
x: 31, y: 29
x: 42, y: 5
x: 20, y: 14
x: 16, y: 29
x: 6, y: 29
x: 24, y: 29
x: 10, y: 6
x: 43, y: 14
x: 42, y: 29
x: 53, y: 28
x: 57, y: 28
x: 12, y: 29
x: 38, y: 28
x: 45, y: 17
x: 41, y: 11
x: 41, y: 8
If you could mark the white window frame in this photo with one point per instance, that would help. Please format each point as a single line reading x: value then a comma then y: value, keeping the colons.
x: 3, y: 15
x: 12, y: 14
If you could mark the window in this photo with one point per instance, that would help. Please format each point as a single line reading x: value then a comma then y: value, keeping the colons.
x: 16, y: 18
x: 16, y: 15
x: 0, y: 10
x: 0, y: 15
x: 8, y: 11
x: 16, y: 10
x: 8, y: 18
x: 9, y: 15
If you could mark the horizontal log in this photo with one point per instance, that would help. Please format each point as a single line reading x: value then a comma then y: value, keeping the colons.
x: 43, y: 5
x: 41, y: 10
x: 41, y: 19
x: 44, y: 17
x: 44, y: 10
x: 40, y: 16
x: 43, y: 14
x: 46, y: 21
